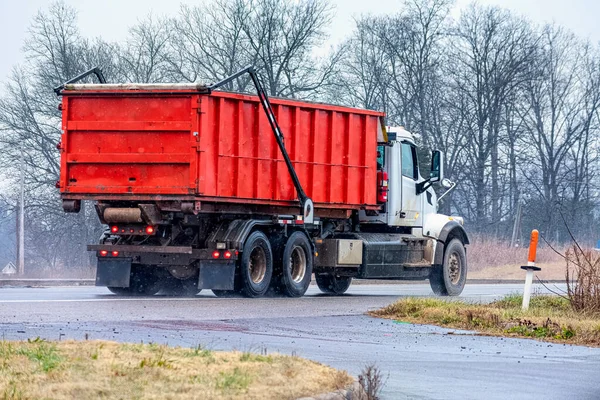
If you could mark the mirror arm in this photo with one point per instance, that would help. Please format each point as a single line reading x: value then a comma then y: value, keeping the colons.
x: 423, y: 186
x: 447, y: 191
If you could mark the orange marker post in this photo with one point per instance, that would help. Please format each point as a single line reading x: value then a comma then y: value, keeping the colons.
x: 530, y: 268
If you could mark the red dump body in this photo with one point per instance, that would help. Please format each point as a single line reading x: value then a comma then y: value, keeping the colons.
x: 179, y: 145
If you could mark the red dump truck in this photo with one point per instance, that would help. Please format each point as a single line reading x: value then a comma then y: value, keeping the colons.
x: 244, y: 194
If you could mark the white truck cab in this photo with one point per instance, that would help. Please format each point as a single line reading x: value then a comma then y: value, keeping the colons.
x: 410, y: 210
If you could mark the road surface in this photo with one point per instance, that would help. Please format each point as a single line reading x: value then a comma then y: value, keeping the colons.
x: 418, y: 362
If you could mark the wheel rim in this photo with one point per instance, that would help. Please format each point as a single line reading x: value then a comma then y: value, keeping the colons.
x: 258, y: 265
x: 454, y: 268
x: 298, y: 264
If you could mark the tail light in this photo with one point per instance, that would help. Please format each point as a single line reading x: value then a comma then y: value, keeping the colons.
x: 382, y: 187
x: 115, y: 253
x: 216, y: 254
x: 114, y: 229
x: 227, y: 254
x: 150, y: 230
x: 103, y: 253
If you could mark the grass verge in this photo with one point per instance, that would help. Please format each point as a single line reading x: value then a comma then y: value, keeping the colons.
x: 549, y: 318
x: 98, y: 369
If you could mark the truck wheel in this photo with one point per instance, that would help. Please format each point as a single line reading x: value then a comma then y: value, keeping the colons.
x: 449, y: 278
x: 225, y: 293
x: 297, y: 264
x: 256, y: 266
x: 120, y: 291
x: 333, y: 284
x: 182, y: 287
x: 143, y: 281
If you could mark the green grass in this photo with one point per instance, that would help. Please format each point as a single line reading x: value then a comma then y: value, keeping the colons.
x: 63, y: 370
x: 251, y: 357
x: 234, y: 381
x: 548, y: 318
x: 200, y: 351
x: 157, y: 361
x: 42, y: 352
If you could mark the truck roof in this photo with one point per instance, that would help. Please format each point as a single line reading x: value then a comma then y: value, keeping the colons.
x: 401, y: 133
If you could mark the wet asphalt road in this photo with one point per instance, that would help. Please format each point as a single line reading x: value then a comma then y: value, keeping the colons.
x: 419, y: 362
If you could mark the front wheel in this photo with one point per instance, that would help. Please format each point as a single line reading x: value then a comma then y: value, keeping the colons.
x: 333, y: 284
x: 449, y: 278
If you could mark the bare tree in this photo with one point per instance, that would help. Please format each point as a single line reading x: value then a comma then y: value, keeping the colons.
x: 563, y: 102
x: 30, y: 123
x: 209, y: 42
x: 492, y: 50
x: 145, y: 57
x: 364, y: 66
x: 282, y: 35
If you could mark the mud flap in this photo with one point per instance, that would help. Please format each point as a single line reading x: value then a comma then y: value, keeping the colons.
x: 113, y: 272
x: 216, y: 275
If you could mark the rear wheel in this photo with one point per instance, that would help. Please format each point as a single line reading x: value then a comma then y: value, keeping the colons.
x: 333, y: 284
x: 297, y: 264
x: 179, y: 281
x: 256, y: 265
x: 143, y: 281
x: 120, y: 291
x: 181, y: 287
x: 449, y: 278
x: 225, y: 293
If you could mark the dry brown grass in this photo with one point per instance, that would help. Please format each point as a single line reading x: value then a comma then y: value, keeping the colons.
x: 549, y: 272
x: 583, y: 279
x: 487, y: 252
x: 490, y: 258
x: 98, y: 369
x: 549, y: 318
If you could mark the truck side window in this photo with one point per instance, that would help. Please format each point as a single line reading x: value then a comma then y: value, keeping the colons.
x: 409, y: 161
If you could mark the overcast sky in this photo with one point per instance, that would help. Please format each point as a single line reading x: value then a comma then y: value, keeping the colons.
x: 110, y: 19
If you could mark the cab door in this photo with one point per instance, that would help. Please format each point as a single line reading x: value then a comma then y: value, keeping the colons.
x: 411, y: 203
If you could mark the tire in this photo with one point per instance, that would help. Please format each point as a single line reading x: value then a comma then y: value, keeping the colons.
x: 332, y: 284
x: 225, y: 293
x: 449, y: 278
x: 181, y: 287
x: 256, y: 265
x: 296, y: 265
x: 143, y: 281
x: 120, y: 291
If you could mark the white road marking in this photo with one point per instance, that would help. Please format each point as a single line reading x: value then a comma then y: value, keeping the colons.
x: 92, y: 300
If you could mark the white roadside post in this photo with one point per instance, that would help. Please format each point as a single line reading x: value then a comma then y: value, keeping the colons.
x: 530, y: 268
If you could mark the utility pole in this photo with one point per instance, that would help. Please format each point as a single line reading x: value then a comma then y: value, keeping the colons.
x: 516, y: 233
x: 21, y: 228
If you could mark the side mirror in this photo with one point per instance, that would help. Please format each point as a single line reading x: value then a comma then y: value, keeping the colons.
x: 436, y: 173
x: 447, y: 183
